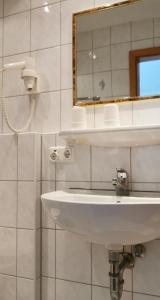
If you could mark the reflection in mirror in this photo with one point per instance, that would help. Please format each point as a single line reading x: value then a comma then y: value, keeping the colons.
x: 102, y: 43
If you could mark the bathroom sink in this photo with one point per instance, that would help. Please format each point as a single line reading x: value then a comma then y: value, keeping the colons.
x: 110, y: 220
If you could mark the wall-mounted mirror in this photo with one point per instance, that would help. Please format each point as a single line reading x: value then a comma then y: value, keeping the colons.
x: 116, y: 52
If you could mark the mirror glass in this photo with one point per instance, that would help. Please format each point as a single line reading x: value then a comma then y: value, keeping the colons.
x: 105, y: 40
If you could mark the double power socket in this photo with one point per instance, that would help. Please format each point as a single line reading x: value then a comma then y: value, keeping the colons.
x: 61, y: 154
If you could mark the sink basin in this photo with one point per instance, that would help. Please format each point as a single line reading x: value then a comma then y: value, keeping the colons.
x: 110, y: 220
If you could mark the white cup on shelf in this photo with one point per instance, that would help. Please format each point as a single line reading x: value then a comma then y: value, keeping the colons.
x: 111, y: 115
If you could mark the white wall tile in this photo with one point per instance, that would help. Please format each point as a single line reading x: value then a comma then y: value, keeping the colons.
x: 66, y: 66
x: 45, y: 27
x: 8, y: 203
x: 48, y: 168
x: 47, y: 221
x: 10, y: 77
x: 25, y: 289
x: 67, y: 9
x: 79, y: 170
x: 38, y: 3
x: 8, y: 157
x: 101, y: 37
x: 48, y: 253
x: 9, y: 292
x: 143, y: 282
x: 146, y: 112
x: 84, y: 40
x: 26, y: 254
x: 48, y: 288
x: 49, y: 71
x: 8, y: 251
x: 19, y: 42
x: 145, y: 164
x: 73, y: 257
x: 29, y: 153
x: 72, y: 290
x: 47, y: 111
x: 66, y: 109
x: 112, y: 159
x: 28, y: 205
x: 14, y: 6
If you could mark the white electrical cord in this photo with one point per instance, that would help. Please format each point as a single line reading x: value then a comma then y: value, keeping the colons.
x: 24, y: 128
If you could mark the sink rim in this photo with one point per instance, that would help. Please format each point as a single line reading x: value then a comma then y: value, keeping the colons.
x: 77, y: 198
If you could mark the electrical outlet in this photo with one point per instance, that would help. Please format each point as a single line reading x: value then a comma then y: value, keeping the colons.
x: 61, y: 154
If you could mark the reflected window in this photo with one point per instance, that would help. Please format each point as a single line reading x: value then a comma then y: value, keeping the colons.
x: 145, y: 72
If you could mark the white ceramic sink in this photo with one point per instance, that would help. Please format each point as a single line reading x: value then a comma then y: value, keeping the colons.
x: 110, y: 220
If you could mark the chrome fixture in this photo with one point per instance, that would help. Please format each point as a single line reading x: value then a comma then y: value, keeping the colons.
x: 121, y: 183
x: 119, y: 261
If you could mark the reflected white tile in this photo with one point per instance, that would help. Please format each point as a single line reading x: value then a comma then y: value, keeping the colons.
x: 9, y: 292
x: 66, y: 66
x: 120, y: 83
x: 8, y: 203
x: 105, y: 161
x: 28, y: 205
x: 48, y: 288
x: 1, y: 35
x: 120, y: 55
x: 104, y: 294
x: 84, y: 86
x: 146, y: 164
x: 19, y: 42
x: 8, y: 157
x: 67, y: 9
x: 143, y: 282
x: 157, y: 42
x: 102, y: 85
x: 14, y: 6
x: 142, y: 29
x: 1, y: 8
x: 84, y: 63
x: 84, y: 40
x: 157, y: 27
x: 47, y: 113
x: 72, y: 290
x: 148, y: 43
x: 49, y: 71
x: 73, y: 257
x: 103, y: 59
x: 101, y: 37
x: 121, y: 33
x: 8, y: 251
x: 143, y: 297
x: 48, y: 252
x: 45, y: 27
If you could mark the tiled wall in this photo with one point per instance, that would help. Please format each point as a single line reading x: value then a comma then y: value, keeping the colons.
x: 19, y: 217
x: 71, y: 269
x: 111, y: 46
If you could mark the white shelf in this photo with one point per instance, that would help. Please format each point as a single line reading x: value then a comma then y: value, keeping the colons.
x: 130, y: 136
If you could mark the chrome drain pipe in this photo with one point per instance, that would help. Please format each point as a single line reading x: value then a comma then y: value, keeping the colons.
x: 118, y: 263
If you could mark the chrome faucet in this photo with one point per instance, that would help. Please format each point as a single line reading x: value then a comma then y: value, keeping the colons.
x: 121, y: 183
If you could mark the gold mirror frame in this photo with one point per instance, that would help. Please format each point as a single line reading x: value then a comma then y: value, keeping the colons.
x: 74, y: 55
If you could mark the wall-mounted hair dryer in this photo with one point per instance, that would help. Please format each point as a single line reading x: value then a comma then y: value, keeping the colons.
x: 28, y: 73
